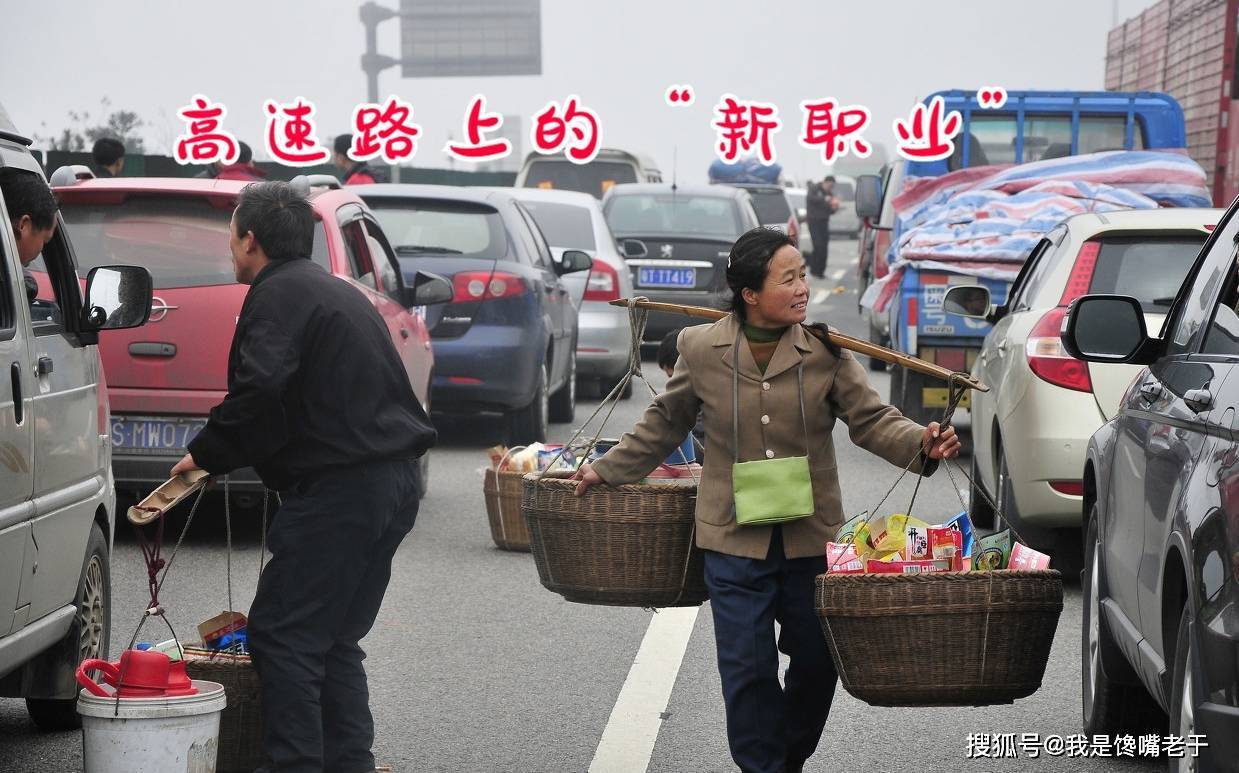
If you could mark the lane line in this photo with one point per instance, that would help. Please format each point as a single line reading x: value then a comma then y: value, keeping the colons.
x: 627, y: 742
x: 820, y: 296
x: 836, y: 275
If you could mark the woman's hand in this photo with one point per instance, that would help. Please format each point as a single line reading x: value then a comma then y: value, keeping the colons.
x: 587, y: 477
x: 940, y: 444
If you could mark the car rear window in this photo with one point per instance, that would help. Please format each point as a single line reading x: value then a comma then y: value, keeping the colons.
x: 563, y: 225
x: 656, y: 213
x: 771, y: 206
x: 428, y: 227
x: 1149, y: 269
x: 594, y: 178
x: 844, y: 190
x: 182, y: 241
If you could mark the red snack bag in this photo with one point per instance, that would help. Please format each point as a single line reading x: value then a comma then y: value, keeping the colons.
x: 1024, y: 557
x: 842, y: 559
x: 946, y: 543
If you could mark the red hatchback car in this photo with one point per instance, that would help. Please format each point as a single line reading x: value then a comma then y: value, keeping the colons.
x: 164, y: 378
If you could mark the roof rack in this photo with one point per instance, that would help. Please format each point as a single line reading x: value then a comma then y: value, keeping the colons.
x: 71, y: 174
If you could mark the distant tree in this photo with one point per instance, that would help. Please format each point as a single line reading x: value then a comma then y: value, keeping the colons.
x: 82, y: 132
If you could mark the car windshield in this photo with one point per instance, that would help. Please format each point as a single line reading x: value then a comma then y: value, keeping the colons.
x: 771, y: 206
x: 594, y: 178
x: 668, y: 213
x: 429, y: 227
x: 564, y: 225
x: 182, y: 241
x: 1149, y: 269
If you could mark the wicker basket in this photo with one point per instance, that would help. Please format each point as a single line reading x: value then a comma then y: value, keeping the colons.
x: 949, y: 639
x: 628, y: 545
x: 503, y: 509
x: 240, y: 724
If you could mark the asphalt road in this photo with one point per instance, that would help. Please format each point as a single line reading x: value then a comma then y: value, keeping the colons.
x: 475, y: 667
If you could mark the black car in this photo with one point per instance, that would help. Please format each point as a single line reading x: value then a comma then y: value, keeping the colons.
x: 507, y: 341
x: 1161, y: 504
x: 773, y: 207
x: 676, y: 240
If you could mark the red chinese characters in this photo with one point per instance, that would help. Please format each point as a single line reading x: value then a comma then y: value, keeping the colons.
x: 205, y: 142
x: 477, y: 123
x: 743, y: 126
x: 574, y: 129
x: 290, y: 133
x: 385, y: 130
x: 834, y: 129
x: 928, y: 135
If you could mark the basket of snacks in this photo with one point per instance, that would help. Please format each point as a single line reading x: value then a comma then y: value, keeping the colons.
x: 501, y: 487
x: 629, y: 545
x: 933, y: 615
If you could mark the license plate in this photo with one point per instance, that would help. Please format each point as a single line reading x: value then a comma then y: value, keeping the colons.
x: 667, y: 277
x: 154, y: 435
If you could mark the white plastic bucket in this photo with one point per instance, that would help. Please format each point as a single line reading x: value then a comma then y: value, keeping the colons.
x: 152, y: 735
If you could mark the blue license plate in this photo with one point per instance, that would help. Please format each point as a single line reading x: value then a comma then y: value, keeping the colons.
x: 667, y: 277
x: 149, y: 434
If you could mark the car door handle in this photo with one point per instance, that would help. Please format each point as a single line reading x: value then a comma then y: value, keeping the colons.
x: 43, y: 366
x: 1199, y: 400
x: 15, y: 373
x: 1152, y: 391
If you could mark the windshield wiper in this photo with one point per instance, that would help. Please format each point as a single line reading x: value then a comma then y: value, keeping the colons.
x: 423, y: 249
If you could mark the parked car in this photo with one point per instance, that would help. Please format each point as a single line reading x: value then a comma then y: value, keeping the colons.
x: 57, y: 502
x: 845, y: 222
x: 874, y: 207
x: 165, y: 378
x: 507, y: 341
x: 574, y: 221
x: 774, y: 208
x: 1030, y: 431
x: 1160, y: 626
x: 611, y: 166
x: 676, y: 240
x: 798, y: 223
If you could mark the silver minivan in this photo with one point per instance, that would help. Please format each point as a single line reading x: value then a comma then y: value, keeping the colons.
x: 609, y: 168
x: 57, y: 502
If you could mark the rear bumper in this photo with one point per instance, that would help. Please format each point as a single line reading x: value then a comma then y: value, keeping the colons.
x: 603, y: 341
x: 140, y: 474
x: 489, y: 368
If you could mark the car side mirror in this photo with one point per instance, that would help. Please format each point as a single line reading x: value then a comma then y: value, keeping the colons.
x: 968, y: 301
x: 1107, y: 328
x: 868, y: 196
x: 573, y: 261
x: 117, y: 297
x: 633, y: 248
x: 428, y: 290
x: 801, y: 213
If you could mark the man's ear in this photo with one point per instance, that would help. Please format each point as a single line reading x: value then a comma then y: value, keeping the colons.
x: 22, y: 224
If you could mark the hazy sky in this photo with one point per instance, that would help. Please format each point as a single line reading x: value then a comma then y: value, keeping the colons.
x: 152, y: 57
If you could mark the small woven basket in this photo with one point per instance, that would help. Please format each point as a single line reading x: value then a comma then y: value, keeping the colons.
x: 240, y: 724
x: 629, y: 545
x: 940, y: 639
x: 503, y: 492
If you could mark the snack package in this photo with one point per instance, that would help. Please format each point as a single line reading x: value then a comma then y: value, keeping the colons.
x: 963, y: 524
x: 496, y: 455
x: 916, y: 543
x: 847, y: 532
x: 549, y: 458
x: 993, y: 552
x: 890, y: 532
x: 906, y: 567
x: 841, y: 558
x: 1024, y: 557
x: 946, y: 543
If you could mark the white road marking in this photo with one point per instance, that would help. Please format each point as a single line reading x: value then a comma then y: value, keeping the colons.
x: 820, y: 296
x: 836, y: 275
x: 628, y: 740
x: 855, y: 261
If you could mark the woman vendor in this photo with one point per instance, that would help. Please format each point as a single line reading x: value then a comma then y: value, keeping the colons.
x: 769, y: 497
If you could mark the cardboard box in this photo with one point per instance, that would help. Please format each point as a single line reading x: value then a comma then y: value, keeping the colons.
x: 223, y: 623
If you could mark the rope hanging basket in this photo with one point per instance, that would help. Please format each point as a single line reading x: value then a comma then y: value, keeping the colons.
x: 630, y: 545
x: 502, y: 491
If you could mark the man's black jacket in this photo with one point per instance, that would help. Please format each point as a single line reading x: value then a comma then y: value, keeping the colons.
x: 314, y: 382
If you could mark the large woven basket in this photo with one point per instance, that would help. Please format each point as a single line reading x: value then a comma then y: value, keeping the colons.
x: 942, y: 639
x: 240, y: 724
x: 628, y: 545
x: 503, y: 509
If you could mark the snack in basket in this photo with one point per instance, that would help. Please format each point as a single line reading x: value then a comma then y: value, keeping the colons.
x: 1025, y: 558
x: 496, y: 455
x: 993, y: 552
x: 946, y: 543
x: 916, y: 543
x: 848, y: 531
x: 841, y: 558
x: 890, y: 532
x: 906, y: 567
x: 963, y: 524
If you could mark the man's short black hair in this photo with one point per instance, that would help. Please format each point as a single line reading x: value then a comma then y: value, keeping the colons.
x: 342, y: 143
x: 668, y: 352
x: 281, y: 219
x: 245, y: 154
x: 25, y: 193
x: 830, y: 178
x: 107, y: 151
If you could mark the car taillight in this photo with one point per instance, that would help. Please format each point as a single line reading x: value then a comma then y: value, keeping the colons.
x: 473, y: 286
x: 603, y: 283
x: 1081, y: 273
x: 1049, y: 360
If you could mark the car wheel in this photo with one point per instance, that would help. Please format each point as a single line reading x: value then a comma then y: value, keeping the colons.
x: 423, y: 475
x: 529, y: 424
x: 1182, y: 702
x: 1005, y: 491
x: 979, y: 508
x: 87, y: 637
x: 607, y: 385
x: 1112, y: 700
x: 563, y: 402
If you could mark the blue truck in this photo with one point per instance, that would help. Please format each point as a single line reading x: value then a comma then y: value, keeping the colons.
x: 1031, y: 126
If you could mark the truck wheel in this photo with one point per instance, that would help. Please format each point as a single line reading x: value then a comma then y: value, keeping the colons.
x: 87, y: 636
x: 529, y: 424
x: 876, y: 337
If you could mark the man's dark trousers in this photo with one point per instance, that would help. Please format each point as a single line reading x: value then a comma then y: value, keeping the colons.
x: 332, y: 544
x: 770, y: 728
x: 819, y: 232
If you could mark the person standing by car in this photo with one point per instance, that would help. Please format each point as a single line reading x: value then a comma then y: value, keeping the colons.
x: 820, y: 204
x: 109, y: 157
x: 243, y: 169
x: 319, y: 404
x: 768, y: 389
x: 353, y: 172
